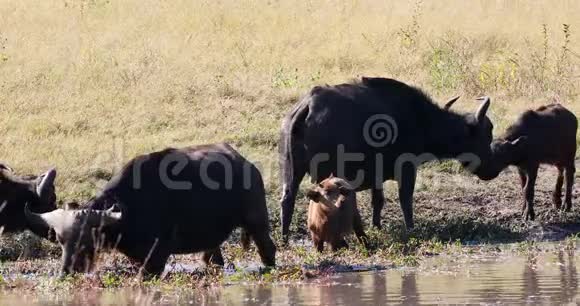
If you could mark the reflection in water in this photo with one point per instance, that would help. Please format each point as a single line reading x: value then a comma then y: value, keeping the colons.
x: 263, y: 294
x: 530, y: 282
x: 547, y: 278
x: 378, y: 288
x: 409, y: 291
x: 293, y: 296
x: 568, y: 276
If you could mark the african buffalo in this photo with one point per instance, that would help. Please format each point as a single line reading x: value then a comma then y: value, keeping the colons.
x: 333, y: 214
x: 546, y: 135
x: 380, y: 129
x: 16, y: 191
x: 174, y: 201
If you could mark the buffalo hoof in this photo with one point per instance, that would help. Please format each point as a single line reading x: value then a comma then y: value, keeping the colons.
x: 529, y: 215
x: 284, y: 242
x: 365, y: 242
x: 266, y: 269
x: 367, y: 245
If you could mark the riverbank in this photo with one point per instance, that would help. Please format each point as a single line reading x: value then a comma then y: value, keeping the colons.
x: 31, y: 281
x: 456, y: 215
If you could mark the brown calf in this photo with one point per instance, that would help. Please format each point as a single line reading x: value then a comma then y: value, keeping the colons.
x: 332, y: 214
x: 546, y: 135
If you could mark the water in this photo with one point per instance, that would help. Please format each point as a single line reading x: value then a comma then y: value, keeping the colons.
x: 547, y: 278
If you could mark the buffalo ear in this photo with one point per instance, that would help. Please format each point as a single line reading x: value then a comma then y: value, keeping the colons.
x: 313, y: 195
x: 344, y: 191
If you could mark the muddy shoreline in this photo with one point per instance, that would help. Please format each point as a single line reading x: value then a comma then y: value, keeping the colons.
x: 456, y: 215
x: 464, y: 274
x: 451, y: 205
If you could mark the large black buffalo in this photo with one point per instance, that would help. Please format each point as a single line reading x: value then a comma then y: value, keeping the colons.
x: 16, y: 191
x: 390, y: 127
x: 173, y: 201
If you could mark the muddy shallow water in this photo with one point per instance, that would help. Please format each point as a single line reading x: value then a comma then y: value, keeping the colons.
x: 547, y: 277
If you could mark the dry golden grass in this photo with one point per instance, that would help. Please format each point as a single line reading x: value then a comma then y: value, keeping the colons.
x: 86, y: 85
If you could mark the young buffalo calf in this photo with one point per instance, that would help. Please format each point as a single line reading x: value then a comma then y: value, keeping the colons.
x: 546, y: 135
x: 333, y: 214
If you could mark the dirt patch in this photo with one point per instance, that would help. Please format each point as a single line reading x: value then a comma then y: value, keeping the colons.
x: 451, y: 205
x: 461, y: 207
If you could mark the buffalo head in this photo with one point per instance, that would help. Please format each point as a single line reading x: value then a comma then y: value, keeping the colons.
x: 330, y: 191
x: 503, y: 154
x: 479, y: 137
x: 16, y: 191
x: 80, y: 232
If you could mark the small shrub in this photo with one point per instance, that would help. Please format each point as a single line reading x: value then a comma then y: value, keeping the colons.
x: 111, y: 280
x: 409, y: 34
x: 284, y: 78
x: 443, y: 68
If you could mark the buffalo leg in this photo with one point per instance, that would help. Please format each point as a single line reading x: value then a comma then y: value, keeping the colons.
x: 152, y: 258
x: 256, y: 225
x: 557, y: 194
x: 528, y: 212
x: 523, y: 177
x: 378, y: 202
x: 258, y: 229
x: 154, y: 264
x: 213, y: 257
x: 290, y: 189
x: 523, y: 180
x: 358, y: 228
x: 318, y: 243
x: 266, y: 248
x: 406, y: 189
x: 339, y: 244
x: 570, y: 170
x: 155, y: 267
